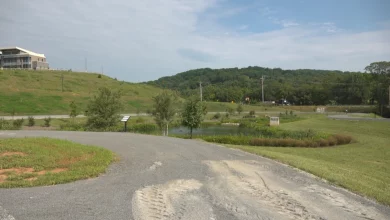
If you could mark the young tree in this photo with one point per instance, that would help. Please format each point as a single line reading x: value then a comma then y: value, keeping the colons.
x: 164, y: 110
x: 47, y: 122
x: 193, y: 114
x: 239, y: 109
x: 73, y: 110
x: 103, y: 110
x: 230, y: 110
x: 31, y: 121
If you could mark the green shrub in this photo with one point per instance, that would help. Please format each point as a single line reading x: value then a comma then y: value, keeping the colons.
x: 47, y: 121
x: 249, y: 116
x: 289, y: 142
x: 230, y: 111
x: 31, y: 121
x: 227, y: 139
x: 252, y: 112
x: 72, y: 126
x: 216, y: 116
x: 18, y: 123
x: 4, y: 124
x: 143, y: 128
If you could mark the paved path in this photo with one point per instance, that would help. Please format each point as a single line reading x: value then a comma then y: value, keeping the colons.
x: 356, y: 117
x: 168, y: 178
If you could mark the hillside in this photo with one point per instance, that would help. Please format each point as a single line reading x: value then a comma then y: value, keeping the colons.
x: 301, y: 87
x: 39, y: 92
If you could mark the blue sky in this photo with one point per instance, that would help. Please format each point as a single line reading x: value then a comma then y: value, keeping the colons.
x: 144, y: 40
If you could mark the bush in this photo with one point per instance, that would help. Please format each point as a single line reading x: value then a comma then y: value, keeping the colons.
x: 228, y: 139
x: 230, y: 111
x: 47, y: 122
x: 252, y: 112
x: 72, y: 126
x: 143, y: 128
x: 99, y: 76
x: 216, y: 116
x: 31, y: 121
x: 4, y: 124
x: 249, y: 116
x: 18, y: 123
x: 289, y: 142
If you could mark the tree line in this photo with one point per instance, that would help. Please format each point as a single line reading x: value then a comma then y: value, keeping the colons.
x: 300, y: 87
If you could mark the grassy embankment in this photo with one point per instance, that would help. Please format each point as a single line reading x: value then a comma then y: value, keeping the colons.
x: 39, y: 92
x: 28, y: 162
x: 363, y: 167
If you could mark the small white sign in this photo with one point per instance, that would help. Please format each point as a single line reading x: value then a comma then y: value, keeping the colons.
x: 273, y: 121
x: 125, y: 118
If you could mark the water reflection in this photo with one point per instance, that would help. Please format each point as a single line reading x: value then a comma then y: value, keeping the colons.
x: 214, y: 130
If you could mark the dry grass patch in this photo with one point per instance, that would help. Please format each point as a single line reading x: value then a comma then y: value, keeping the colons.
x: 12, y: 154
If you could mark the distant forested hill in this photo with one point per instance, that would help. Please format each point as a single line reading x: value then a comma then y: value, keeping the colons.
x: 301, y: 87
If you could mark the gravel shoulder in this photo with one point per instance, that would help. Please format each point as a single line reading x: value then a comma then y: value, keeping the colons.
x: 168, y: 178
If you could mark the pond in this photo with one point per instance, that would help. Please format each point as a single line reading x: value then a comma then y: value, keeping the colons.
x: 213, y: 130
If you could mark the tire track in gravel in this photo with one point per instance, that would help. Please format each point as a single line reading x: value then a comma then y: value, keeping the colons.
x: 241, y: 190
x: 176, y: 200
x: 340, y: 201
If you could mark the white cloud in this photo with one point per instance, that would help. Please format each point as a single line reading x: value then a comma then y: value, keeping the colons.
x: 144, y: 40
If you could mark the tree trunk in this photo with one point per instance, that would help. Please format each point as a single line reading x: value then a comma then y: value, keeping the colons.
x: 167, y: 130
x: 191, y: 133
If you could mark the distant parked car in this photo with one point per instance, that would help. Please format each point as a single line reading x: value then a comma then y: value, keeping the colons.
x: 282, y: 102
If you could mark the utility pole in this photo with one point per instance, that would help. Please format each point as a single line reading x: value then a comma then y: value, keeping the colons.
x: 262, y: 88
x: 62, y: 82
x: 86, y: 65
x: 102, y: 70
x: 201, y: 92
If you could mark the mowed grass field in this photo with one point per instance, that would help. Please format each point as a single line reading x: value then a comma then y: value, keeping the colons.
x: 39, y: 92
x: 362, y: 167
x: 42, y: 161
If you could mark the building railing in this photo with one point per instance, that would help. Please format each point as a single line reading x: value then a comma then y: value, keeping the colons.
x: 15, y: 55
x: 16, y: 63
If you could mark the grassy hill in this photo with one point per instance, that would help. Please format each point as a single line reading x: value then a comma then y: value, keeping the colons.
x: 39, y: 92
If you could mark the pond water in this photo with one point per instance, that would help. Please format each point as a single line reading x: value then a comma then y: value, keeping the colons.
x: 213, y: 130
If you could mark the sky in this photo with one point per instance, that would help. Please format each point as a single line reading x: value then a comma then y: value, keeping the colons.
x: 142, y: 40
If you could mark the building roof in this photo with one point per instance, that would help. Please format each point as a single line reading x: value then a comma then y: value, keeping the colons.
x: 24, y: 50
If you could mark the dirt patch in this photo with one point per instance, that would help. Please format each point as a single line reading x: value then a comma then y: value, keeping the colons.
x: 16, y: 170
x: 57, y: 170
x: 32, y: 179
x: 2, y: 178
x: 4, y: 173
x: 12, y: 154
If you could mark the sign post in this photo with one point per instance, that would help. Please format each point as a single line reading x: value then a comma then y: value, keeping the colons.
x: 125, y: 119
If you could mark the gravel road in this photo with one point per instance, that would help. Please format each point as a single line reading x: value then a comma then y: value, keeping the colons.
x: 168, y: 178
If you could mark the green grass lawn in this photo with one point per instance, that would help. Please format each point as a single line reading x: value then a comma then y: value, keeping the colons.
x: 28, y: 162
x: 363, y: 167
